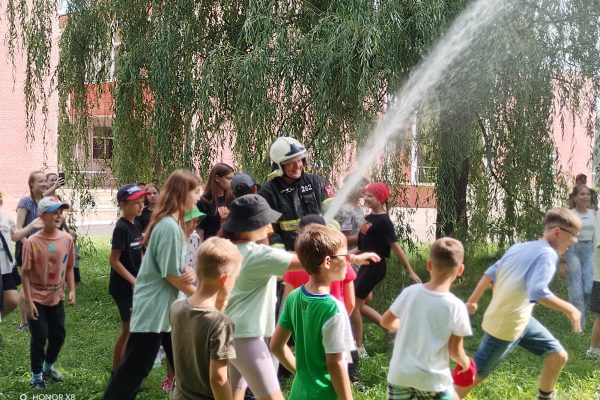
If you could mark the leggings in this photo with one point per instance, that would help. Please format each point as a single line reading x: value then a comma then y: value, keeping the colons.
x: 253, y: 366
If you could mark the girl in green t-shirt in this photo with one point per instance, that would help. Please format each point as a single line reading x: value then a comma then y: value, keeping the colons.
x: 160, y: 278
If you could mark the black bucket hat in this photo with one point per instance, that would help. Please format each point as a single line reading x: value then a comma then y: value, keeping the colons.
x: 249, y: 212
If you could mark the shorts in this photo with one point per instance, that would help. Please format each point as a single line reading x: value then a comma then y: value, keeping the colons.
x: 124, y: 304
x: 594, y: 298
x: 408, y: 393
x: 535, y: 338
x: 367, y: 278
x: 8, y: 282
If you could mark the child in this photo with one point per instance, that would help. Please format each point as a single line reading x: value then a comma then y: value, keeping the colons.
x: 193, y: 242
x: 242, y: 184
x: 351, y: 215
x: 125, y: 260
x: 192, y: 217
x: 252, y: 302
x: 160, y: 278
x: 521, y: 278
x: 213, y: 202
x: 594, y: 350
x: 202, y: 335
x: 318, y: 322
x: 342, y: 290
x: 9, y: 296
x: 377, y: 234
x: 419, y: 364
x: 151, y: 198
x: 48, y: 258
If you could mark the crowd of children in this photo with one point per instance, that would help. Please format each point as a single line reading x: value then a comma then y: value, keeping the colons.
x: 203, y: 285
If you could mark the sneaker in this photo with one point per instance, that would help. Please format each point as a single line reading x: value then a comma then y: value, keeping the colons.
x: 593, y: 353
x: 167, y: 384
x: 22, y: 327
x: 53, y: 376
x: 37, y: 385
x: 362, y: 353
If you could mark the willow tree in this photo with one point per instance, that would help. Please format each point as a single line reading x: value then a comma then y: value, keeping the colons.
x: 193, y: 77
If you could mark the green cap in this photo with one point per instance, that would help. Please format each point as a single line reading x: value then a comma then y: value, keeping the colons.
x: 193, y: 213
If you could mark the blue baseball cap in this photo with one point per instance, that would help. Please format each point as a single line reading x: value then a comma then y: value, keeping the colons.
x: 50, y: 204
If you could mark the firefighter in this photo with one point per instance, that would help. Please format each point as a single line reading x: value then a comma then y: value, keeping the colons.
x: 291, y: 191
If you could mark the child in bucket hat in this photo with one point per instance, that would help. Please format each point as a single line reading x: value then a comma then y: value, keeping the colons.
x: 252, y: 301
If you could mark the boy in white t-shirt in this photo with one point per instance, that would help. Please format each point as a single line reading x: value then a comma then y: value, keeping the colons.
x: 521, y: 279
x: 431, y: 324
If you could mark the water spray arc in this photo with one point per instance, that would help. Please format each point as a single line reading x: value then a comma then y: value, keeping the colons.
x: 421, y: 84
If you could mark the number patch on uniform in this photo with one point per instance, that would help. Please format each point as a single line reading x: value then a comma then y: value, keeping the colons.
x: 306, y: 188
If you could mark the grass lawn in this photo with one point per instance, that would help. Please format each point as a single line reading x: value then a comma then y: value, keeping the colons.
x: 92, y: 326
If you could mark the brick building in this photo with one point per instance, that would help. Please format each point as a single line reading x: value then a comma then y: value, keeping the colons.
x: 19, y: 156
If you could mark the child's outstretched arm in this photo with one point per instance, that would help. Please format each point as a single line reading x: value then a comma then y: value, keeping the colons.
x: 404, y: 261
x: 568, y: 309
x: 280, y: 349
x: 338, y: 371
x: 389, y: 321
x: 219, y: 382
x: 457, y: 352
x: 481, y: 287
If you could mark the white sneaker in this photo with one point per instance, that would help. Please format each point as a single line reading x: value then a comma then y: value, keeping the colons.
x: 362, y: 353
x: 593, y: 353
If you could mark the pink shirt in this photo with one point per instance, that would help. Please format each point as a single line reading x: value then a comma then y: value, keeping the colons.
x: 48, y: 257
x: 299, y: 278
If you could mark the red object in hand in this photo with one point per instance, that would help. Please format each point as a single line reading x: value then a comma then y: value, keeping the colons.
x: 464, y: 379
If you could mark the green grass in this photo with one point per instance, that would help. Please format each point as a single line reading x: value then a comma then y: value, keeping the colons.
x: 93, y: 324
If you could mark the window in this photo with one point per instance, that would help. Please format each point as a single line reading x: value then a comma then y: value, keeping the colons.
x: 102, y: 143
x: 421, y: 155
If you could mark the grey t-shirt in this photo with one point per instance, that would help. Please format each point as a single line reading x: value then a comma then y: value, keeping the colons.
x: 351, y: 218
x: 198, y: 335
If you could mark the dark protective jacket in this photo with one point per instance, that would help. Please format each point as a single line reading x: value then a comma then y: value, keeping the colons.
x: 294, y: 201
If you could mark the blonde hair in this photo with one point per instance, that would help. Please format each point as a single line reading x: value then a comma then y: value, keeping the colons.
x: 560, y: 216
x: 215, y: 257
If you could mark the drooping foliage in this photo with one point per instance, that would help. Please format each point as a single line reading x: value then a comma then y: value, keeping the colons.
x: 191, y: 78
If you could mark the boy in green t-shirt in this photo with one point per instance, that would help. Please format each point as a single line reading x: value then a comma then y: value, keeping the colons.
x: 318, y: 322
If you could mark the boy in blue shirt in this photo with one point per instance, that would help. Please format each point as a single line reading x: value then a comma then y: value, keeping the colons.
x: 521, y: 279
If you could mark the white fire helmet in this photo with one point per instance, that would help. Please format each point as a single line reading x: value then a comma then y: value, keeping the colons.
x: 285, y: 149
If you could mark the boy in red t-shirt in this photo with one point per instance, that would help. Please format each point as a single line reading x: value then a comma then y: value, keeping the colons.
x: 48, y: 259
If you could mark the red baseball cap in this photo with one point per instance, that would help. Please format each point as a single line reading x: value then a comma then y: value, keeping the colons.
x: 467, y: 378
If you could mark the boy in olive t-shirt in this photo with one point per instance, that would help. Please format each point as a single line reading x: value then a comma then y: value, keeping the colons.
x: 202, y: 334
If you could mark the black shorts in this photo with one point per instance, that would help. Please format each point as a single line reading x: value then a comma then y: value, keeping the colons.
x: 8, y: 282
x: 367, y: 278
x: 595, y: 298
x: 124, y: 304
